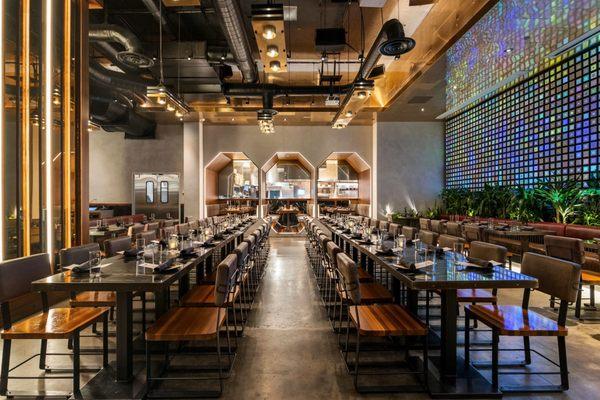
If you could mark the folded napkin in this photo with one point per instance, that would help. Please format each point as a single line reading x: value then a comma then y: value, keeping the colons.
x: 187, y: 253
x: 81, y: 268
x: 527, y: 228
x: 366, y: 242
x: 346, y: 231
x: 163, y: 267
x: 102, y: 228
x: 208, y: 243
x: 218, y: 237
x: 478, y: 263
x: 356, y: 236
x: 130, y: 253
x: 388, y: 252
x: 414, y: 267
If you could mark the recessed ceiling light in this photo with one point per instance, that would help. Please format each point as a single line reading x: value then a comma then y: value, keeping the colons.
x: 233, y: 119
x: 508, y: 50
x: 422, y: 110
x: 362, y: 95
x: 275, y: 66
x: 272, y: 51
x: 269, y: 32
x: 349, y: 114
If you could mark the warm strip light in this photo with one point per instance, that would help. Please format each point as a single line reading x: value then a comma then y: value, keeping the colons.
x: 66, y: 111
x: 2, y: 130
x: 25, y: 130
x: 49, y: 122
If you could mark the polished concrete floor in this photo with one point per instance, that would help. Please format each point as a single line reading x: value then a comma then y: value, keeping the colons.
x: 290, y: 352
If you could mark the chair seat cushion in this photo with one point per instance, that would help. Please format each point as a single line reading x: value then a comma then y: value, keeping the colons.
x: 204, y: 296
x: 94, y: 299
x: 537, y: 247
x: 370, y: 293
x: 57, y: 323
x: 512, y: 320
x: 386, y: 320
x: 590, y: 277
x: 475, y: 296
x: 364, y: 276
x: 183, y: 323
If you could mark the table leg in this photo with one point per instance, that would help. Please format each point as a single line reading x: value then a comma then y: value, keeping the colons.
x: 161, y: 302
x: 184, y: 285
x: 124, y: 336
x: 448, y: 338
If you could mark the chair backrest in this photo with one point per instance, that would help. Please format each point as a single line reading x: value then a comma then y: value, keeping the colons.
x: 241, y: 251
x: 449, y: 241
x: 17, y: 274
x: 409, y: 232
x: 251, y: 240
x: 425, y: 224
x: 349, y: 274
x: 454, y: 229
x: 488, y: 251
x: 384, y: 225
x: 193, y: 224
x: 112, y: 246
x: 134, y: 229
x: 183, y: 229
x: 437, y: 226
x: 332, y: 251
x: 565, y: 248
x: 168, y: 231
x: 373, y: 223
x: 324, y: 239
x: 428, y: 237
x: 394, y: 229
x: 152, y: 226
x: 148, y: 236
x: 225, y: 274
x: 77, y: 254
x: 472, y: 232
x: 556, y: 277
x: 169, y: 222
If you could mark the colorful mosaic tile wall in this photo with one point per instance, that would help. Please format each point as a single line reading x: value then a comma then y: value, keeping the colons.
x: 515, y: 35
x: 544, y: 127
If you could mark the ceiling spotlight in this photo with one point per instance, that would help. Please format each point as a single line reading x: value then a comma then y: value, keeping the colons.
x: 170, y: 107
x: 275, y: 66
x: 269, y: 32
x: 272, y: 51
x: 233, y: 119
x: 178, y: 114
x: 422, y: 110
x: 362, y: 95
x: 349, y: 114
x: 323, y: 56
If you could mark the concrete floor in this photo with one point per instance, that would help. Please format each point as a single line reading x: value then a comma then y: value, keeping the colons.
x: 290, y: 352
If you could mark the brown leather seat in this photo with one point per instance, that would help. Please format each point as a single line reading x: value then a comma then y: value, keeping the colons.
x: 394, y: 229
x: 147, y: 236
x: 428, y: 237
x: 204, y: 295
x: 114, y: 246
x: 448, y: 241
x: 488, y: 252
x: 425, y: 224
x: 409, y: 232
x: 454, y: 229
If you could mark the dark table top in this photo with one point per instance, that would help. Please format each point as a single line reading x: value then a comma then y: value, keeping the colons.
x: 121, y: 275
x: 440, y: 274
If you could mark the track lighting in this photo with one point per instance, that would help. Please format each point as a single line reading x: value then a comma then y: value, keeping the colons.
x: 269, y: 32
x: 275, y: 66
x: 272, y: 51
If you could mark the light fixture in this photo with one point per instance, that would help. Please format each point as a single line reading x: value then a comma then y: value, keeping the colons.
x: 275, y: 66
x: 170, y: 107
x: 422, y: 110
x: 323, y: 56
x: 178, y: 114
x: 265, y: 120
x: 1, y: 132
x: 56, y: 97
x: 508, y: 50
x: 272, y: 51
x: 269, y: 32
x: 361, y: 95
x: 349, y: 114
x: 48, y: 69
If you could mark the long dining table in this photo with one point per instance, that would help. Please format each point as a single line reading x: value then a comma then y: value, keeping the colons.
x: 443, y: 276
x: 120, y: 275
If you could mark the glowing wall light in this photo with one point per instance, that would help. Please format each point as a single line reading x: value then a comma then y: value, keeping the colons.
x: 2, y: 130
x: 49, y: 121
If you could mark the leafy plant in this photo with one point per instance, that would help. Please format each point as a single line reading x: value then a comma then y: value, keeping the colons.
x: 454, y: 201
x: 565, y: 198
x: 525, y: 205
x: 434, y: 212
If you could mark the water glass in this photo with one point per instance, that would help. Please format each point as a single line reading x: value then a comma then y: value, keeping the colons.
x: 140, y: 268
x: 140, y: 244
x: 95, y: 263
x: 459, y: 248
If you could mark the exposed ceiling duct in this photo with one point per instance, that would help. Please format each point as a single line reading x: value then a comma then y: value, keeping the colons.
x: 259, y: 89
x: 232, y: 23
x: 151, y: 6
x: 132, y: 55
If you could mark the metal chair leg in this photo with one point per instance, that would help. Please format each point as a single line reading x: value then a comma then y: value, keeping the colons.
x: 495, y: 342
x: 43, y: 350
x: 76, y: 362
x: 356, y: 359
x: 105, y: 341
x: 562, y: 357
x: 6, y: 346
x: 467, y: 338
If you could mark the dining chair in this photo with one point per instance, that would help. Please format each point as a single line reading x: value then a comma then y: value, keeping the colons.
x: 148, y: 236
x: 573, y: 249
x: 454, y: 229
x: 394, y: 229
x: 383, y: 225
x: 373, y: 223
x: 472, y: 232
x: 438, y: 226
x: 116, y: 245
x: 134, y: 229
x: 425, y: 224
x: 429, y: 238
x: 152, y: 226
x: 183, y: 229
x: 409, y: 232
x: 556, y: 277
x: 372, y: 319
x: 448, y: 241
x: 194, y: 324
x: 16, y: 276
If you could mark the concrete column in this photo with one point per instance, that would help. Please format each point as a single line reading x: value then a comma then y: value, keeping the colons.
x: 193, y: 183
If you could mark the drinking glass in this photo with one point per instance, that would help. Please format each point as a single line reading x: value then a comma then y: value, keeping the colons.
x: 140, y: 268
x: 152, y: 216
x: 140, y: 244
x: 95, y: 263
x: 148, y: 256
x: 459, y: 248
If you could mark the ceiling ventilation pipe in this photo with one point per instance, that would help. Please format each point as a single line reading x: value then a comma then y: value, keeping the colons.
x: 259, y: 90
x: 132, y: 55
x: 154, y: 10
x: 232, y: 23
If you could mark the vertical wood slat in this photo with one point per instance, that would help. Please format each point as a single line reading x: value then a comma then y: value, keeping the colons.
x: 66, y: 116
x: 25, y: 128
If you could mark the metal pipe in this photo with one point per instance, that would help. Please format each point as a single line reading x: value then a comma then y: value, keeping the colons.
x: 258, y: 89
x: 133, y: 53
x: 151, y: 6
x: 232, y: 23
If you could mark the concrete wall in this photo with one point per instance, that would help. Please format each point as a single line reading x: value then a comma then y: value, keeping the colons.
x: 192, y: 139
x: 114, y: 160
x: 410, y: 164
x: 314, y: 142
